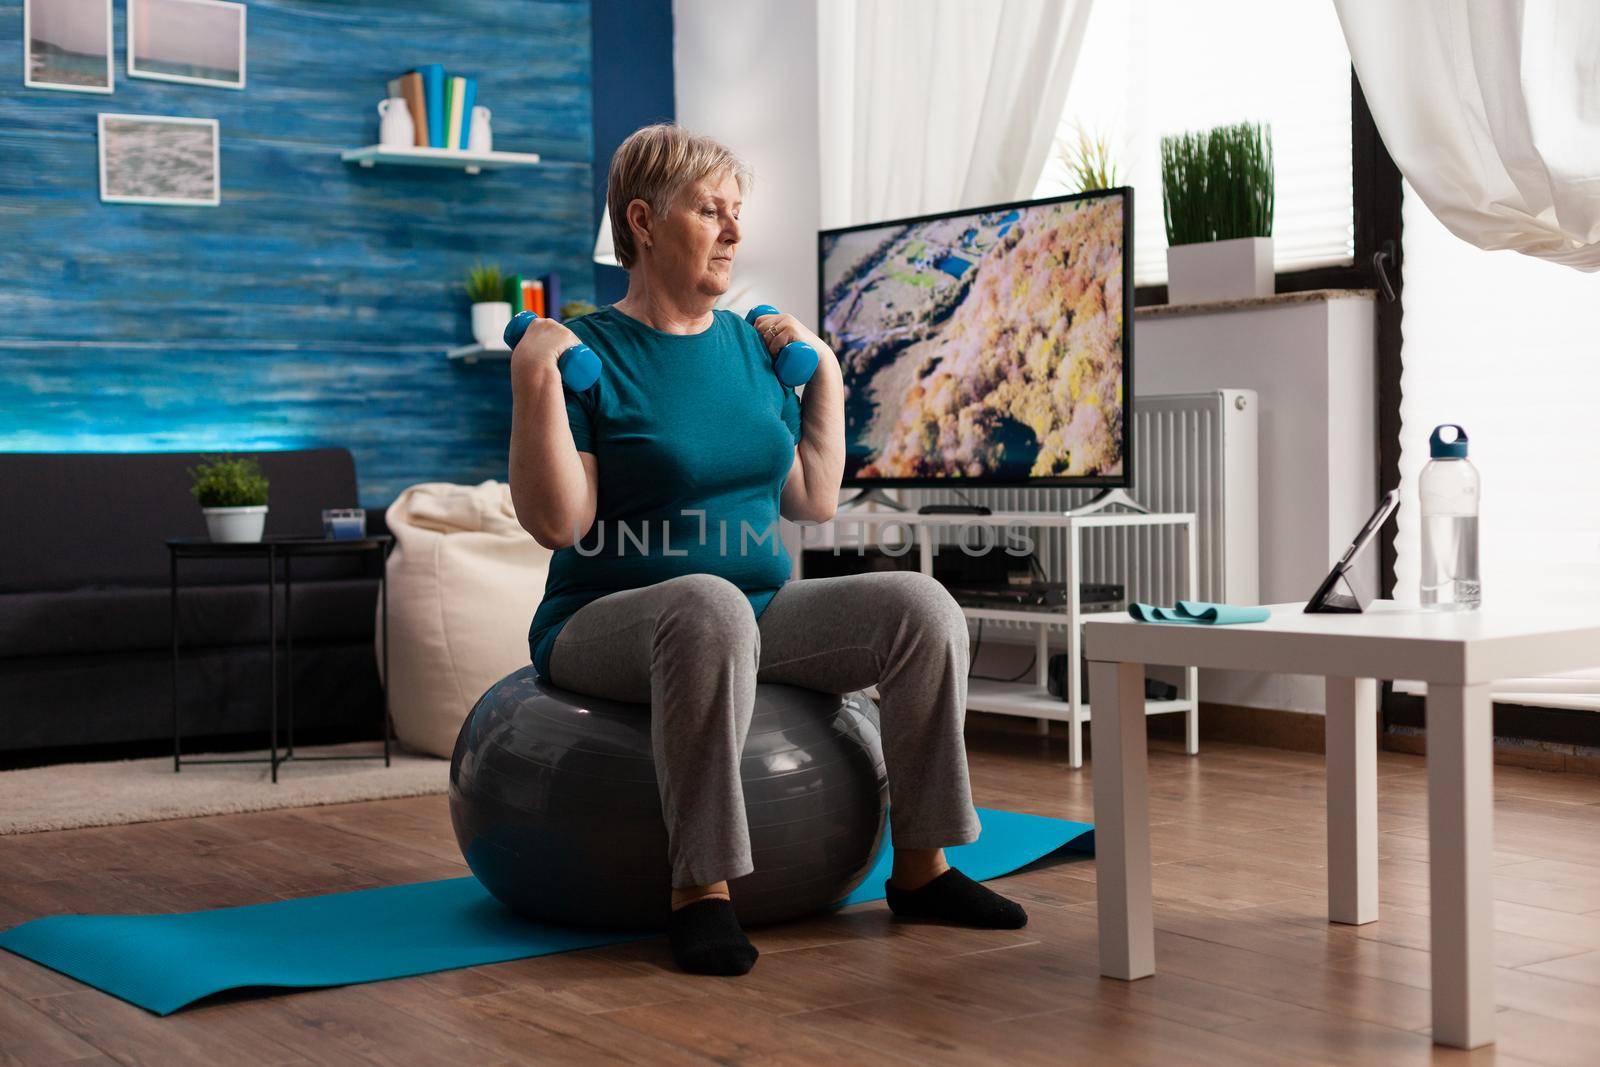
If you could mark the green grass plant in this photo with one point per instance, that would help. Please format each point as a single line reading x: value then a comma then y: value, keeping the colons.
x: 1089, y: 162
x: 485, y: 284
x: 1217, y: 185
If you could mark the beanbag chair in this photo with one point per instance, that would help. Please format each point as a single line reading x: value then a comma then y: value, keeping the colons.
x: 464, y: 580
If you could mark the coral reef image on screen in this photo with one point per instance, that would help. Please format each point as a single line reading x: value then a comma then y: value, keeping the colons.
x: 987, y: 345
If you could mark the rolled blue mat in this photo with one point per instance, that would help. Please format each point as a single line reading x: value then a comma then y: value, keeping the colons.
x: 164, y: 962
x: 1199, y: 613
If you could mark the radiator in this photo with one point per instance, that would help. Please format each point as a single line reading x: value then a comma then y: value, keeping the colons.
x: 1191, y: 452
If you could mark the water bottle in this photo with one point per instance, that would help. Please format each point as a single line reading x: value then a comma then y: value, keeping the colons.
x: 1449, y: 488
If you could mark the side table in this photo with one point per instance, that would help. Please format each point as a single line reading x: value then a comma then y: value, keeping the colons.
x: 273, y: 549
x: 1458, y: 654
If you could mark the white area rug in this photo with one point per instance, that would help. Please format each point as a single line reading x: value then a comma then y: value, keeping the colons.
x: 70, y: 795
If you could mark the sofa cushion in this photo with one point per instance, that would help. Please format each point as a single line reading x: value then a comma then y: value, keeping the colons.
x: 82, y: 621
x: 126, y: 698
x: 101, y: 519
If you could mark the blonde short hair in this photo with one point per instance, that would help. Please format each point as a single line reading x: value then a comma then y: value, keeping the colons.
x: 653, y: 165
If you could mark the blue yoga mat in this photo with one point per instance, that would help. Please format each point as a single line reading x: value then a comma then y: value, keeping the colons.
x: 164, y: 962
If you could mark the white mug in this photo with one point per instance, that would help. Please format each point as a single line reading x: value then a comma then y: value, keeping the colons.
x: 481, y: 138
x: 395, y: 126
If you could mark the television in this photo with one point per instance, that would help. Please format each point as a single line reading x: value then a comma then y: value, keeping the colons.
x: 987, y: 347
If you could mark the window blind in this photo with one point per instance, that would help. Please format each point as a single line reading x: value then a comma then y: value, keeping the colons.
x: 1506, y: 346
x: 1154, y: 67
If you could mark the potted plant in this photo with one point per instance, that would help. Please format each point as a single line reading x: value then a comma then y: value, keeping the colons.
x: 1216, y: 195
x: 490, y: 313
x: 232, y: 493
x: 1089, y: 163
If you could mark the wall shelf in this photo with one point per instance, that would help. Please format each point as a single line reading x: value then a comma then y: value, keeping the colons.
x: 474, y: 352
x: 411, y: 156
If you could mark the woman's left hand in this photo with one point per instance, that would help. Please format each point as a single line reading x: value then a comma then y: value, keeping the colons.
x: 779, y: 330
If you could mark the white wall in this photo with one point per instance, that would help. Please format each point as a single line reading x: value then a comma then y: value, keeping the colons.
x: 746, y: 73
x: 1313, y: 366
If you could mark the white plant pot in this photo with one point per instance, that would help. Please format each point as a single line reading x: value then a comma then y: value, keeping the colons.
x: 1240, y: 269
x: 489, y: 321
x: 236, y: 525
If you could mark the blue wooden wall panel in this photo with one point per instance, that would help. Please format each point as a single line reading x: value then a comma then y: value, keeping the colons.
x: 313, y: 306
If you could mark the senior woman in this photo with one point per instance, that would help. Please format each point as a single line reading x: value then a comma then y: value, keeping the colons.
x: 660, y: 489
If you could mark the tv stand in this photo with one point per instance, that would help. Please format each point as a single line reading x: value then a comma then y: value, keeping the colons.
x: 1033, y: 699
x: 1108, y: 498
x: 872, y: 496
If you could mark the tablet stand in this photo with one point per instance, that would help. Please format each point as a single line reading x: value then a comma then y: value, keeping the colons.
x: 1328, y: 600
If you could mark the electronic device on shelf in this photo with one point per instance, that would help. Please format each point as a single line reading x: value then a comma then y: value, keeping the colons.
x: 1056, y: 682
x: 955, y: 509
x: 985, y: 347
x: 1036, y: 595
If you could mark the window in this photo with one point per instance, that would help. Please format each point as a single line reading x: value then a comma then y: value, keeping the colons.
x: 1154, y: 67
x: 1505, y: 345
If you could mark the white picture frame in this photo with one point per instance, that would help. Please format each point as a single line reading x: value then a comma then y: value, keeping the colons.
x: 196, y: 42
x: 137, y: 168
x: 62, y: 24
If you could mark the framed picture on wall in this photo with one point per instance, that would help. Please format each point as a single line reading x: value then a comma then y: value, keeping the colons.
x: 200, y: 42
x: 66, y: 44
x: 159, y: 159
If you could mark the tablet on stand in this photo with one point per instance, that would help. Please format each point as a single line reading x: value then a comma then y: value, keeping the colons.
x: 1353, y: 600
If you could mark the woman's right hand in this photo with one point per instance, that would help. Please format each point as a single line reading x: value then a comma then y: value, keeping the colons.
x: 543, y: 342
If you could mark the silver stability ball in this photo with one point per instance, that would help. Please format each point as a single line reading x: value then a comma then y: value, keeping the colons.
x: 554, y: 800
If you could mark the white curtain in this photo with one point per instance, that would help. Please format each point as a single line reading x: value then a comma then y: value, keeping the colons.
x: 935, y: 105
x: 1506, y: 346
x: 1489, y: 109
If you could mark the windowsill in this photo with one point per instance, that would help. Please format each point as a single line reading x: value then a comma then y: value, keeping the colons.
x: 1276, y: 300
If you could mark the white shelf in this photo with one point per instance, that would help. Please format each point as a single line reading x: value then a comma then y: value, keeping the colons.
x: 474, y: 352
x: 1037, y: 702
x: 1051, y: 617
x: 1029, y: 519
x: 459, y: 159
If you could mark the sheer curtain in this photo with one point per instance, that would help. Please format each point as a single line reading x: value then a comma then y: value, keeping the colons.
x: 934, y: 105
x: 1506, y: 345
x: 1154, y: 67
x: 1489, y: 109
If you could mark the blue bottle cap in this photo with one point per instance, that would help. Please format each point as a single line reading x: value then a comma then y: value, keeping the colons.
x: 1439, y: 448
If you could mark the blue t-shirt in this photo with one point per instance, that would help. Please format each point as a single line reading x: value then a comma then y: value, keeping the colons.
x: 694, y: 437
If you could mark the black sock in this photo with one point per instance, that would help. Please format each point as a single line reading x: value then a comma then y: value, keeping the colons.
x: 706, y: 939
x: 955, y: 898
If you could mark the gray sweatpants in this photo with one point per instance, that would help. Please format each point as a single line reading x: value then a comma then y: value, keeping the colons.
x: 692, y: 648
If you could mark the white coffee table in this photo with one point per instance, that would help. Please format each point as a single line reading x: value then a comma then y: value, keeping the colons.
x: 1458, y: 654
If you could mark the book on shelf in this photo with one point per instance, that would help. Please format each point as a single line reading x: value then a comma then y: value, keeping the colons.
x: 432, y: 75
x: 449, y: 113
x: 527, y: 294
x: 552, y: 293
x: 459, y: 94
x: 466, y: 96
x: 416, y: 103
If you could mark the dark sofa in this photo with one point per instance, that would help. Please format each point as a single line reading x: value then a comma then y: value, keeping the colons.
x: 85, y: 643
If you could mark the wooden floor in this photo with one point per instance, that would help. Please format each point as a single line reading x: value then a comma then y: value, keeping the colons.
x: 1249, y: 972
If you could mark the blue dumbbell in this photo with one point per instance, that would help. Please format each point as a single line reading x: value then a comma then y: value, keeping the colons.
x: 796, y: 362
x: 579, y: 366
